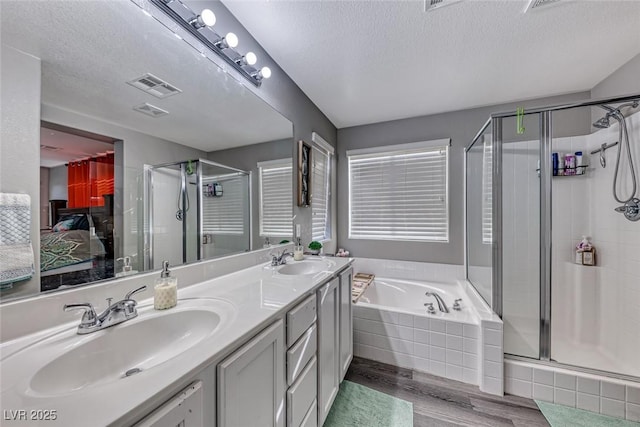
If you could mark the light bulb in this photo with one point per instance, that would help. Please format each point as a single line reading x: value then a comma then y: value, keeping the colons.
x: 231, y: 40
x: 250, y: 58
x: 206, y: 19
x: 265, y: 72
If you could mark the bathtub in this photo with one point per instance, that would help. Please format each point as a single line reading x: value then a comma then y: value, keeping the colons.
x: 391, y: 325
x: 408, y: 296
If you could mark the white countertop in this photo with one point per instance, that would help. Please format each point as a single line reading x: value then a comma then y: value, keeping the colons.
x: 258, y: 294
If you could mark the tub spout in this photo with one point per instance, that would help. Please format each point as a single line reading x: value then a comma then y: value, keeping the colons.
x: 441, y: 304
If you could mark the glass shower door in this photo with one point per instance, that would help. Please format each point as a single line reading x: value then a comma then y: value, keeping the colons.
x: 521, y: 217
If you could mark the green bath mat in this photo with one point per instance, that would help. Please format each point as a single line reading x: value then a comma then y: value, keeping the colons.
x: 563, y: 416
x: 360, y: 406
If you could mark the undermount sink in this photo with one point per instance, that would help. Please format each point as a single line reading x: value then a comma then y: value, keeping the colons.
x: 307, y: 266
x: 122, y: 351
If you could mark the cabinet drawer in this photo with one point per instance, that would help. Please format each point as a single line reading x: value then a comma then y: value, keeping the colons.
x: 311, y: 419
x: 302, y: 394
x: 302, y: 351
x: 300, y: 318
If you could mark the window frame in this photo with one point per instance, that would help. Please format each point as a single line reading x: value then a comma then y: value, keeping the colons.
x: 322, y: 146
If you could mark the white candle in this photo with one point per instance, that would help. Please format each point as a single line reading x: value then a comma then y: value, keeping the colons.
x: 166, y: 295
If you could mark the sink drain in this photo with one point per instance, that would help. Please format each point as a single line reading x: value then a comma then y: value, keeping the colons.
x: 131, y: 372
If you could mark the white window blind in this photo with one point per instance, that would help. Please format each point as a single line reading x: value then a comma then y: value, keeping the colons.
x: 276, y: 198
x: 226, y: 214
x: 400, y: 193
x: 320, y: 195
x: 487, y: 195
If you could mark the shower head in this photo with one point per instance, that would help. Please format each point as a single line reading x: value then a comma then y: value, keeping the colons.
x: 602, y: 123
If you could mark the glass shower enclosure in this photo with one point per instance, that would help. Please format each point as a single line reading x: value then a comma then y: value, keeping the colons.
x: 537, y: 183
x: 195, y: 210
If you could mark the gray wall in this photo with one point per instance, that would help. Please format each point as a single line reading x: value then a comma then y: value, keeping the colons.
x: 461, y: 127
x: 247, y: 158
x: 20, y: 149
x: 624, y: 81
x: 58, y: 183
x: 280, y: 92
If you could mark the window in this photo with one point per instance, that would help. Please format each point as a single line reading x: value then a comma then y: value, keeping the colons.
x: 487, y: 195
x: 320, y: 189
x: 400, y: 192
x: 226, y: 214
x: 276, y: 198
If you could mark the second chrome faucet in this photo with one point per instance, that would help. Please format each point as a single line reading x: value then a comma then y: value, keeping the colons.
x: 441, y: 304
x: 114, y: 314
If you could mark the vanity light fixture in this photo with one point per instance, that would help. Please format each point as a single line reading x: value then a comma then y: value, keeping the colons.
x: 206, y: 19
x: 249, y: 59
x: 200, y: 27
x: 228, y: 41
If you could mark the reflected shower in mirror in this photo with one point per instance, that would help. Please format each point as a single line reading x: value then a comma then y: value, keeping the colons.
x: 152, y: 111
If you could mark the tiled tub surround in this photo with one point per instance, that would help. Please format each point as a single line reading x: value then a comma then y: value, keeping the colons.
x: 607, y: 396
x: 257, y: 292
x: 391, y: 324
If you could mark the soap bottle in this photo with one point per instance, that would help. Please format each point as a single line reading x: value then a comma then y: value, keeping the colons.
x: 298, y: 251
x: 166, y: 289
x: 127, y: 268
x: 267, y: 243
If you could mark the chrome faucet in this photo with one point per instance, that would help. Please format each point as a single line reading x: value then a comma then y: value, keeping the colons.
x: 281, y: 259
x: 441, y: 304
x: 115, y: 313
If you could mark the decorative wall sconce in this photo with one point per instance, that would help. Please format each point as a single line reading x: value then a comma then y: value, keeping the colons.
x: 304, y: 174
x: 201, y: 27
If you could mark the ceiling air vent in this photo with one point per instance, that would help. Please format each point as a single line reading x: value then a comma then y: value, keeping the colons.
x: 540, y: 4
x: 49, y: 147
x: 154, y: 86
x: 430, y: 5
x: 150, y: 110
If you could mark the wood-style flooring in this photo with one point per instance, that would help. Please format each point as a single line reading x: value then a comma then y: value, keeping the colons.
x: 441, y: 402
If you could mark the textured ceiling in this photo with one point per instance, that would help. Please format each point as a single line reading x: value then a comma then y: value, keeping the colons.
x: 371, y: 61
x: 90, y: 49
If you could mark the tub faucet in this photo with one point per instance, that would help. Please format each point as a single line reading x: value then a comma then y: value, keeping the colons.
x: 441, y: 304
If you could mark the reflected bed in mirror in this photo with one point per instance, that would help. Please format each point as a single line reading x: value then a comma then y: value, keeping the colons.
x: 90, y: 88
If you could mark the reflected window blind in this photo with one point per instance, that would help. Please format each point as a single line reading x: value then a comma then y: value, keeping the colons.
x: 487, y: 195
x: 320, y: 195
x: 225, y: 215
x: 276, y: 198
x: 400, y: 194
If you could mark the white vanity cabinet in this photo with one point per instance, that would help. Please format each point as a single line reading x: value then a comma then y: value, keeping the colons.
x: 251, y: 382
x: 328, y: 346
x: 346, y: 321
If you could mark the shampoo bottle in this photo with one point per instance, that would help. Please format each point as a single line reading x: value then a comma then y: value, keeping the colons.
x: 166, y: 289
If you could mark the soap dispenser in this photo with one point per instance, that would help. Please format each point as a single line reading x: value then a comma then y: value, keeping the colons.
x: 166, y: 289
x: 298, y: 251
x: 127, y: 268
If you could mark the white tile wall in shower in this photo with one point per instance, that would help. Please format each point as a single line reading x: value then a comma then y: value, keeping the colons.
x: 585, y: 206
x: 439, y: 347
x: 616, y: 398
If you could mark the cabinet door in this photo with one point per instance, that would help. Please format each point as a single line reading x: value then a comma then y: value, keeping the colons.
x: 251, y: 382
x: 328, y: 347
x: 346, y: 322
x: 184, y: 410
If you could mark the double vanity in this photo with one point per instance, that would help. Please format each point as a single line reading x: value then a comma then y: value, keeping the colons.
x: 264, y: 345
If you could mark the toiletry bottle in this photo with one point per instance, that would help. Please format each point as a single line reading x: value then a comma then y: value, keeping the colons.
x: 298, y: 251
x: 560, y: 164
x: 166, y: 289
x: 579, y: 165
x: 554, y: 160
x: 266, y: 244
x: 569, y: 164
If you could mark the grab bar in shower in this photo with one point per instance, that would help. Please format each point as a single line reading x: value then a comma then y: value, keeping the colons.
x: 605, y: 147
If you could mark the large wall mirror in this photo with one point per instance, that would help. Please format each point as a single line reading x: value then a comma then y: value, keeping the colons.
x: 148, y: 150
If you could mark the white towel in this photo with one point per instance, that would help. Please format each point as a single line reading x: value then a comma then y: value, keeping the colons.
x: 16, y: 252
